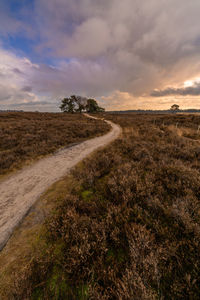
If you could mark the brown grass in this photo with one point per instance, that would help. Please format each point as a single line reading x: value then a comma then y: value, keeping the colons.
x: 27, y: 239
x: 130, y: 226
x: 27, y: 136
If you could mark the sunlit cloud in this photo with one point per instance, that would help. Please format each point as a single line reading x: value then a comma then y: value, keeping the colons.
x: 191, y: 82
x: 191, y: 88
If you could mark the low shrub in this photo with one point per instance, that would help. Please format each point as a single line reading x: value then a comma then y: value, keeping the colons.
x: 130, y: 229
x: 26, y: 136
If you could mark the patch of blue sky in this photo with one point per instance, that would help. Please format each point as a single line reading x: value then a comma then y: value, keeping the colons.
x: 21, y: 42
x: 26, y: 41
x: 25, y: 47
x: 17, y: 6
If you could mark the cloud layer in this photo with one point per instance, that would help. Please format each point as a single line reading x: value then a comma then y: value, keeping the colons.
x: 96, y: 48
x: 185, y: 91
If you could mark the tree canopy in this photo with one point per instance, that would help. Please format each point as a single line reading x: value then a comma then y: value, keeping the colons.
x: 174, y: 108
x: 78, y: 104
x: 67, y: 105
x: 92, y: 106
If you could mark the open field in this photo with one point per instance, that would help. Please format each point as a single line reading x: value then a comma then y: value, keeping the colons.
x: 25, y: 137
x: 129, y: 226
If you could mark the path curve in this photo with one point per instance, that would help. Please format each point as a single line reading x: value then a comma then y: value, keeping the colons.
x: 20, y: 191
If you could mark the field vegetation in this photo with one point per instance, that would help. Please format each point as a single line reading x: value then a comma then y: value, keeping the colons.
x: 130, y: 226
x: 26, y: 136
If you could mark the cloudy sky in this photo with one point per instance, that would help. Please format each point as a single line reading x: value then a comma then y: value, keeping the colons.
x: 128, y: 54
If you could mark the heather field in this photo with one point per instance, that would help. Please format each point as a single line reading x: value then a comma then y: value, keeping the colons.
x: 26, y: 136
x: 101, y: 199
x: 129, y: 225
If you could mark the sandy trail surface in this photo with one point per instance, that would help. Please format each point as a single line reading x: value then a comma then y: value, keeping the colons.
x: 20, y: 191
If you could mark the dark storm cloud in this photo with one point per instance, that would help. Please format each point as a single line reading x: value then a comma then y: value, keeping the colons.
x: 17, y: 71
x: 27, y: 89
x: 190, y: 90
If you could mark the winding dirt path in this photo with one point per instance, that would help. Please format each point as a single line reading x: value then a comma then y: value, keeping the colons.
x: 19, y: 192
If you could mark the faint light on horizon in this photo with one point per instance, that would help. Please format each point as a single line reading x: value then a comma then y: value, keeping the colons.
x: 191, y: 82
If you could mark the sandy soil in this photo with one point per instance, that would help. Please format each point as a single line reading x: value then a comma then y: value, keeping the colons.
x: 20, y: 191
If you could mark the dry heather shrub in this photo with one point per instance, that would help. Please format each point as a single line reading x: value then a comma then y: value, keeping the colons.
x: 143, y: 268
x: 131, y: 131
x: 130, y: 229
x: 26, y: 136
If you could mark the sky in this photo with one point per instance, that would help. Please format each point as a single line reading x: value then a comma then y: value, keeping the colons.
x: 128, y: 54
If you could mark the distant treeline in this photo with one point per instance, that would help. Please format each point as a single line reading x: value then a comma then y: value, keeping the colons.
x: 10, y: 110
x: 138, y: 111
x: 168, y: 111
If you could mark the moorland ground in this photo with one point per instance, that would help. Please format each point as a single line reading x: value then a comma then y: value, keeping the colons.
x: 20, y: 191
x: 26, y: 136
x: 129, y: 226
